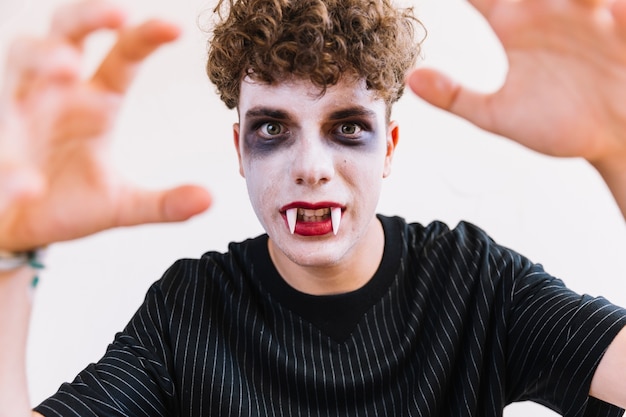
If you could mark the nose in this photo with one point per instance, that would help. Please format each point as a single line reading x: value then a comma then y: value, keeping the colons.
x: 313, y: 162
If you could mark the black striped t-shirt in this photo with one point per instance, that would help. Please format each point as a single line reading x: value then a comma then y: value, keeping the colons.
x: 452, y: 324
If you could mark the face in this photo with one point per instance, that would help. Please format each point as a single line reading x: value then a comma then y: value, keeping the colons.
x: 314, y: 166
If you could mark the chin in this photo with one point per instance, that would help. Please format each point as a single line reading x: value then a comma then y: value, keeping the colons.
x: 314, y: 255
x: 316, y: 261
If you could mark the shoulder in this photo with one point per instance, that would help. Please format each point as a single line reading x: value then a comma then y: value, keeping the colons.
x: 214, y: 272
x: 465, y: 252
x: 438, y: 236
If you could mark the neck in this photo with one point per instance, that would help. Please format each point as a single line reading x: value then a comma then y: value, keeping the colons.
x: 354, y: 270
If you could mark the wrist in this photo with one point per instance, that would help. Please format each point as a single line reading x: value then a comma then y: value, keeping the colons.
x: 14, y: 261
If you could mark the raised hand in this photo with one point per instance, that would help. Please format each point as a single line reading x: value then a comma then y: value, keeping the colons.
x: 565, y: 88
x: 57, y: 181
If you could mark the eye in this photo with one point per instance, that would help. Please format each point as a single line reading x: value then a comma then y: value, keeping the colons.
x: 349, y: 129
x: 270, y: 129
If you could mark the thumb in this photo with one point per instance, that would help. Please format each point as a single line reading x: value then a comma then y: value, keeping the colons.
x: 173, y: 205
x: 441, y: 91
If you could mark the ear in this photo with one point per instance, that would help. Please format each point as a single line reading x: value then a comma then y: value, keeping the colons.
x: 393, y: 134
x: 238, y: 148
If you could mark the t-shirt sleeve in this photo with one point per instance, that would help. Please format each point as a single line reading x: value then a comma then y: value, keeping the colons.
x: 133, y: 377
x: 556, y: 341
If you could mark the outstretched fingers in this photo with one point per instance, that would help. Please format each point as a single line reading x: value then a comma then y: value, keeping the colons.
x: 133, y: 45
x: 33, y: 64
x: 590, y: 3
x: 37, y: 63
x: 173, y: 205
x: 618, y: 10
x: 441, y: 91
x: 75, y: 21
x: 483, y: 6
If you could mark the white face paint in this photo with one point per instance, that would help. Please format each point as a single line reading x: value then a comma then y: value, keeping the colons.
x: 314, y: 166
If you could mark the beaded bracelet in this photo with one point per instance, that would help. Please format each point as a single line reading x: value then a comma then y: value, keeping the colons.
x: 14, y: 260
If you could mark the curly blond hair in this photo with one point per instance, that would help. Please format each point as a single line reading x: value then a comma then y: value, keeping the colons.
x: 317, y: 40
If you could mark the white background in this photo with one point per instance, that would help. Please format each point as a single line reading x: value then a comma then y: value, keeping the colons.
x: 175, y: 130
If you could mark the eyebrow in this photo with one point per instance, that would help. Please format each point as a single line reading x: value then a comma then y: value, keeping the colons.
x: 256, y: 112
x: 356, y: 111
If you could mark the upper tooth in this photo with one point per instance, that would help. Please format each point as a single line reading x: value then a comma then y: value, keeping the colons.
x: 314, y: 212
x: 335, y: 215
x: 292, y: 215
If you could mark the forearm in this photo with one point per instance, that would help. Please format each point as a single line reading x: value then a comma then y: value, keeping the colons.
x: 15, y: 310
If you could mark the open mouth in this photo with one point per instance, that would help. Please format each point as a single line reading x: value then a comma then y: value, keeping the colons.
x: 309, y: 216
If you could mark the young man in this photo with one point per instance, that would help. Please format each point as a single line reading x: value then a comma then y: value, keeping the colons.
x: 335, y: 311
